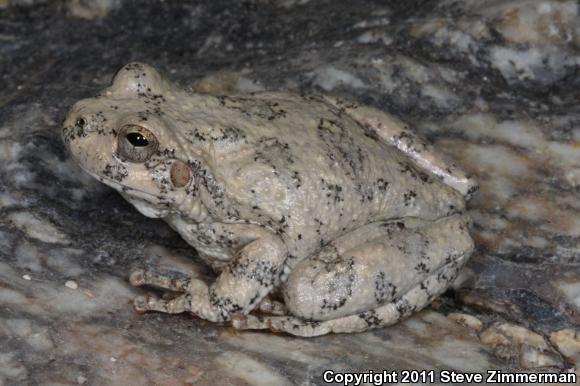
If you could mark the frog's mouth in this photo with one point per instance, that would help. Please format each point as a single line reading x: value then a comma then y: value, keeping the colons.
x: 154, y: 206
x: 147, y: 203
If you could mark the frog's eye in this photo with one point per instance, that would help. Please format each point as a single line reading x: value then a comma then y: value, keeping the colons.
x: 136, y: 143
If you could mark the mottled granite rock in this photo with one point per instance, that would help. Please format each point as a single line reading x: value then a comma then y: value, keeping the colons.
x: 492, y: 83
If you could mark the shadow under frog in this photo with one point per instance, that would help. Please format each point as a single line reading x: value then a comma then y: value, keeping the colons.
x: 339, y: 208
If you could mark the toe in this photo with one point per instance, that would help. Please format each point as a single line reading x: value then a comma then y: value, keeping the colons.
x: 239, y: 322
x: 137, y: 278
x: 140, y: 304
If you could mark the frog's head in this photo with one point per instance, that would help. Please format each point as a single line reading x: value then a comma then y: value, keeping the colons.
x: 123, y: 138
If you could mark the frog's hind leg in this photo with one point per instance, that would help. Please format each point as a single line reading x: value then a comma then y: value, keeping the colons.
x: 397, y: 134
x: 391, y: 268
x: 414, y: 300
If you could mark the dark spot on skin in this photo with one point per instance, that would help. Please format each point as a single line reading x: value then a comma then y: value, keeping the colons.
x: 342, y: 282
x: 333, y: 192
x: 224, y: 305
x: 424, y: 288
x: 319, y: 225
x: 371, y: 318
x: 409, y: 197
x: 264, y: 273
x: 327, y: 255
x: 68, y: 134
x: 421, y: 268
x: 216, y: 135
x: 233, y: 214
x: 424, y: 177
x: 384, y: 289
x: 254, y: 299
x: 204, y: 179
x: 272, y: 152
x: 370, y: 132
x: 402, y: 247
x: 115, y: 172
x: 253, y: 107
x: 407, y: 168
x: 341, y: 147
x: 204, y: 239
x: 382, y: 185
x: 403, y: 307
x: 472, y: 190
x: 413, y: 144
x: 297, y: 179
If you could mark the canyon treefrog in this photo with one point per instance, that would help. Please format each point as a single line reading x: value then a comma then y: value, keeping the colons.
x: 318, y: 215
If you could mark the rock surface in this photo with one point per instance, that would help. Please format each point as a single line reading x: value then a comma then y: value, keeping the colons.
x: 493, y: 84
x: 520, y: 346
x: 567, y: 341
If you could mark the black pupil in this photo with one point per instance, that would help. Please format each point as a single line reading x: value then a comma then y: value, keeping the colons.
x: 137, y: 139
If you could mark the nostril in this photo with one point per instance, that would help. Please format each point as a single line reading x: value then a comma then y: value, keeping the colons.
x: 80, y: 122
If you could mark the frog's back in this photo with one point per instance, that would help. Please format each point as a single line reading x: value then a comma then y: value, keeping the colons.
x: 312, y: 172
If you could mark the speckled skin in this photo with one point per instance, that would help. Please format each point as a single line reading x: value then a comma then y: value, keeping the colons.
x: 340, y: 210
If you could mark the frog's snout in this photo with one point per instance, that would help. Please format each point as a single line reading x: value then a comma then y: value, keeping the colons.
x: 72, y: 129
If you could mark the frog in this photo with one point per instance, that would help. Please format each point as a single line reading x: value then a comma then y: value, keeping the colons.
x: 317, y: 214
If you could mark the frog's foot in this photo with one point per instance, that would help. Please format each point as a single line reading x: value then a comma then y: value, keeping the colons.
x: 192, y: 297
x: 163, y: 279
x: 414, y: 300
x: 178, y: 305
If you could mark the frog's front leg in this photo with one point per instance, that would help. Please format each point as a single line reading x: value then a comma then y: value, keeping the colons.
x: 181, y: 283
x: 239, y: 288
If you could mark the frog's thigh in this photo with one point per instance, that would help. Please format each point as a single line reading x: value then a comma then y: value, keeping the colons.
x: 379, y: 270
x: 387, y: 314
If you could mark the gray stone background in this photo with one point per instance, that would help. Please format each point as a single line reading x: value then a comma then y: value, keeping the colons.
x: 493, y: 84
